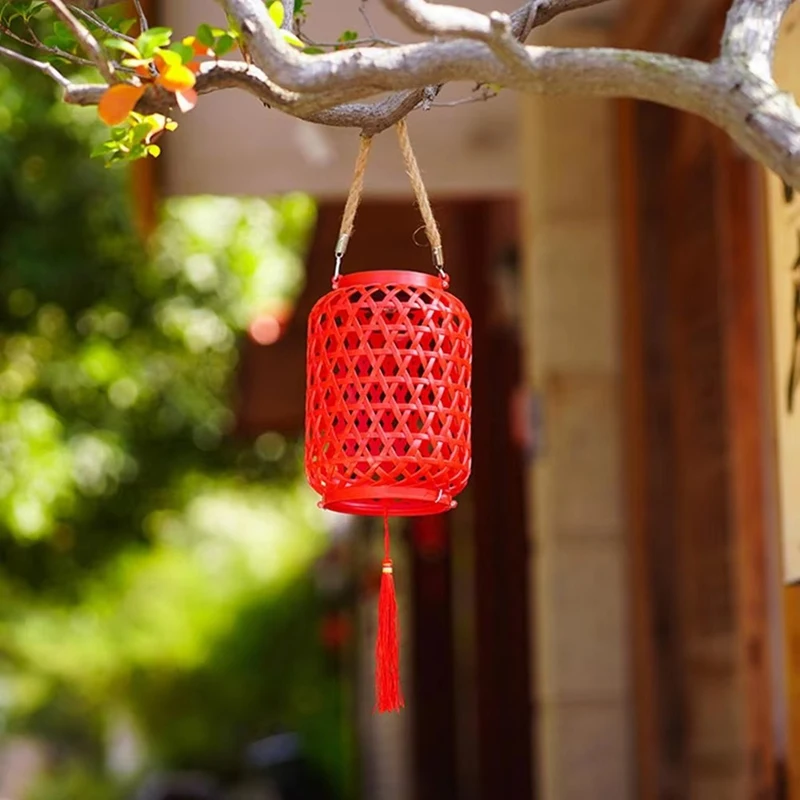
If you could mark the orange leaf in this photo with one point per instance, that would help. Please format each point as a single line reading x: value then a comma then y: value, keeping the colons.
x: 118, y: 101
x: 176, y: 78
x: 199, y: 48
x: 187, y: 100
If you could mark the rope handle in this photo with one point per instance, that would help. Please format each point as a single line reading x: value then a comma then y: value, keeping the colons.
x: 420, y: 192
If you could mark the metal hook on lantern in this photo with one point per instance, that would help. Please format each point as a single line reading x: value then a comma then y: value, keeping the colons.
x: 438, y: 262
x: 341, y: 249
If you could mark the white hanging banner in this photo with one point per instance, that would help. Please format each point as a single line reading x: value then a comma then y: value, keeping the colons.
x: 783, y: 210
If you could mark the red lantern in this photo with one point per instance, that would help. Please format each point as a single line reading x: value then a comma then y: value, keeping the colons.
x: 388, y: 400
x: 388, y: 397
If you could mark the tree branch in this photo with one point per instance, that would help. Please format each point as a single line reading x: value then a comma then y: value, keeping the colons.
x: 371, y: 118
x: 42, y: 66
x: 140, y: 16
x: 452, y: 21
x: 735, y: 92
x: 85, y: 38
x: 94, y: 19
x: 762, y: 120
x: 541, y: 12
x: 440, y: 20
x: 751, y: 33
x: 36, y: 44
x: 288, y: 15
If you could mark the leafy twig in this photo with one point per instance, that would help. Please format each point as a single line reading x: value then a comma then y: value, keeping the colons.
x: 36, y: 44
x: 93, y: 19
x: 85, y: 38
x: 42, y: 66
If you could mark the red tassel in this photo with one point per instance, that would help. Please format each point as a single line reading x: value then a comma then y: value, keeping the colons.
x: 388, y: 694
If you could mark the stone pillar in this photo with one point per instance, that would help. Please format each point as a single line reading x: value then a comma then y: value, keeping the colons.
x: 582, y: 693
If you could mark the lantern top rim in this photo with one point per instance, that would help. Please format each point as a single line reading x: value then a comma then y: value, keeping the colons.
x: 391, y: 277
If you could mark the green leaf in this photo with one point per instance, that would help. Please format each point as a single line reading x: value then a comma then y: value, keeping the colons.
x: 104, y: 148
x: 61, y: 38
x: 170, y: 57
x: 313, y: 51
x: 153, y: 39
x: 184, y: 51
x: 33, y: 10
x: 141, y: 131
x: 138, y: 151
x: 224, y: 44
x: 124, y: 46
x: 348, y: 36
x: 205, y: 35
x: 277, y: 13
x: 291, y: 39
x: 126, y: 25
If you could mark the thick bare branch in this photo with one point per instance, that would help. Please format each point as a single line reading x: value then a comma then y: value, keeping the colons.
x: 85, y: 38
x: 451, y: 21
x: 751, y: 33
x: 540, y: 12
x: 337, y: 109
x: 454, y: 21
x: 377, y: 117
x: 374, y: 118
x: 764, y: 121
x: 441, y: 20
x: 735, y: 92
x: 288, y: 15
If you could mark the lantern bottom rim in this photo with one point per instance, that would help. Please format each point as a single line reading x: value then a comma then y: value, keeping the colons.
x: 396, y: 502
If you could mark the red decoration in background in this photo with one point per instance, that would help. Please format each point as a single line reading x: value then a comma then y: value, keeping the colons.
x: 430, y: 537
x: 270, y: 325
x: 388, y: 414
x: 336, y: 630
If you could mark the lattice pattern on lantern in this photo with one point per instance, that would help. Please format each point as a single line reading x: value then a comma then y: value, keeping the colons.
x: 388, y: 399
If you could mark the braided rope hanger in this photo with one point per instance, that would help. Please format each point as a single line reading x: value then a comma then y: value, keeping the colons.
x: 420, y: 192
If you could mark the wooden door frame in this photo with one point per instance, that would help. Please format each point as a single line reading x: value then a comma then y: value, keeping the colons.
x: 741, y: 268
x: 669, y: 26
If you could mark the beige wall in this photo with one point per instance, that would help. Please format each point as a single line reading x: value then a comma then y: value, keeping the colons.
x: 579, y: 563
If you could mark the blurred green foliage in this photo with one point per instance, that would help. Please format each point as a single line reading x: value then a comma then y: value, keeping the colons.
x: 76, y: 781
x: 151, y: 567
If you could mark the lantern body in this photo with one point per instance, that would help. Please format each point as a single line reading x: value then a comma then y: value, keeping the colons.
x: 388, y: 395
